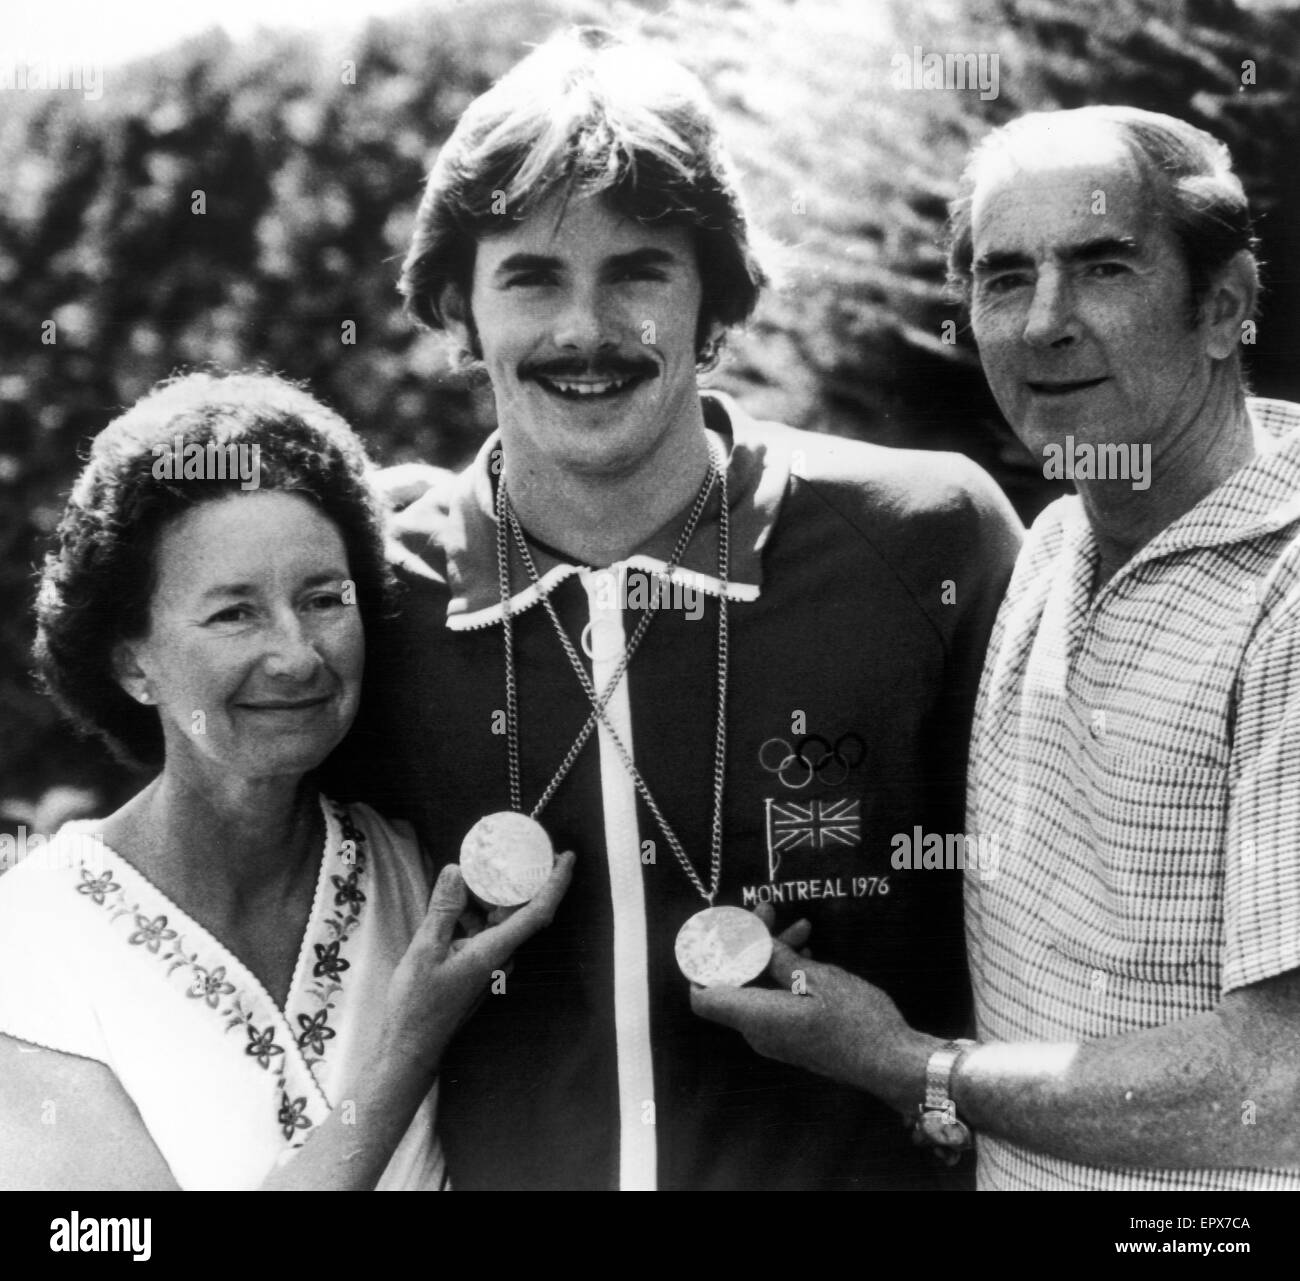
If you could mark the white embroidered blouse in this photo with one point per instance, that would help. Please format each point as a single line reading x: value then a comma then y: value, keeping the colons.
x: 96, y: 961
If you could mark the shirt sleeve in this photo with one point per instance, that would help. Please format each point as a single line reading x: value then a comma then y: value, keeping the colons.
x: 47, y: 980
x: 1262, y: 864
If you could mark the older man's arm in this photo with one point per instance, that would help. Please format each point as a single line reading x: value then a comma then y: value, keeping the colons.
x: 1217, y: 1089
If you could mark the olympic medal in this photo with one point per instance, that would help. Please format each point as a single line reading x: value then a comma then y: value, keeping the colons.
x: 723, y: 947
x: 505, y: 858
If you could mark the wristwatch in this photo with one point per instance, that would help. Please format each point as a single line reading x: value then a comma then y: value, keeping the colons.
x: 937, y: 1122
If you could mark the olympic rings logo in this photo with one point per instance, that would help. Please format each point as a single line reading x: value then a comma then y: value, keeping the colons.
x: 796, y: 767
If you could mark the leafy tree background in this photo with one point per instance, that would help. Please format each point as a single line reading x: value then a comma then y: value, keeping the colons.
x: 311, y: 176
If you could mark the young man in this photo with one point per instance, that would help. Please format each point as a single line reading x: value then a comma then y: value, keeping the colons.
x: 800, y: 694
x: 1136, y: 960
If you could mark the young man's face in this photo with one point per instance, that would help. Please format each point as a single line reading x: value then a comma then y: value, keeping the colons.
x: 1081, y: 304
x: 587, y: 323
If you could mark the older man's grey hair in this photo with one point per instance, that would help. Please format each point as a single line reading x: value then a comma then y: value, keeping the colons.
x: 1188, y: 174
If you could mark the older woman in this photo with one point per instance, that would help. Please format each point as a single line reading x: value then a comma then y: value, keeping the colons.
x: 231, y: 982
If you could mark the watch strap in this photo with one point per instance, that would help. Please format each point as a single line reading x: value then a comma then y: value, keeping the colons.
x: 938, y: 1075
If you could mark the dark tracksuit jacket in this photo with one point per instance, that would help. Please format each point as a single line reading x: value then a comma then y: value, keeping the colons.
x: 862, y: 588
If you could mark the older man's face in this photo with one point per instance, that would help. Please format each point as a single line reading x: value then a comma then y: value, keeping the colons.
x: 1080, y: 304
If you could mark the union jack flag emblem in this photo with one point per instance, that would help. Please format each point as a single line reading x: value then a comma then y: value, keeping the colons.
x: 814, y: 825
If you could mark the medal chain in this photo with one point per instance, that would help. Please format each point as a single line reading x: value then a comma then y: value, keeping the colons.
x: 505, y: 515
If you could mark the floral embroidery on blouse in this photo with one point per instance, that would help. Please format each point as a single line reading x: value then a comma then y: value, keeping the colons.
x: 328, y: 960
x: 291, y: 1116
x: 348, y: 892
x: 151, y: 933
x: 314, y: 1032
x: 262, y: 1046
x: 98, y: 887
x: 212, y: 986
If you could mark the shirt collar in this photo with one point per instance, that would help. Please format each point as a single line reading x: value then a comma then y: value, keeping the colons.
x: 756, y: 482
x: 1260, y: 498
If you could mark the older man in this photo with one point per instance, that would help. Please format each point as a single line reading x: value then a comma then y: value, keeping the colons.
x: 722, y: 660
x: 1136, y: 759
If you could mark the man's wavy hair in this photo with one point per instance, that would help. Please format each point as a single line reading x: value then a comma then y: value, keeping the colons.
x: 1188, y: 174
x: 97, y: 584
x: 584, y: 115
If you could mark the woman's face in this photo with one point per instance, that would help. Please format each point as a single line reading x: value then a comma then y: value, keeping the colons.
x: 255, y: 647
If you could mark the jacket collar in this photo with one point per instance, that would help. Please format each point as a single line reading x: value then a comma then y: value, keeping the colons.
x: 756, y: 482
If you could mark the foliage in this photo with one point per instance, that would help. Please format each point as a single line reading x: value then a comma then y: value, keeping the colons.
x: 310, y: 173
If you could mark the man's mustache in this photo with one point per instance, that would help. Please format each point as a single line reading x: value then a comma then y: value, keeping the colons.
x: 611, y: 368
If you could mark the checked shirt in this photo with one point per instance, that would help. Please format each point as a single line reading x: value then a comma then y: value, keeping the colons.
x: 1137, y: 757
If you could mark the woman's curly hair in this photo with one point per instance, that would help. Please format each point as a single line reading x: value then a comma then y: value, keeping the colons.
x: 96, y: 586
